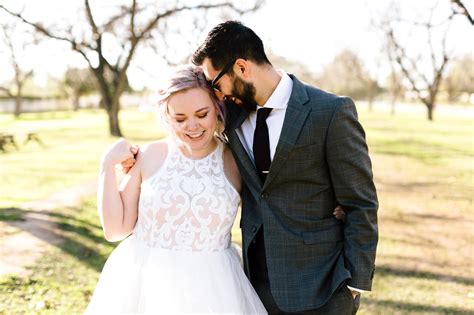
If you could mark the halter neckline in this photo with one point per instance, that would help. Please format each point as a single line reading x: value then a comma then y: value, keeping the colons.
x: 218, y: 144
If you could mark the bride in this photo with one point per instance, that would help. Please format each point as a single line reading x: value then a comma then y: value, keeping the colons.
x: 174, y: 211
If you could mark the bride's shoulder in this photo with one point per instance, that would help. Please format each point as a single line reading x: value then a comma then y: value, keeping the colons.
x: 155, y: 149
x: 152, y: 156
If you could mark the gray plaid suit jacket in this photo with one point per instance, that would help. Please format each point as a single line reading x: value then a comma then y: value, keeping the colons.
x: 321, y: 161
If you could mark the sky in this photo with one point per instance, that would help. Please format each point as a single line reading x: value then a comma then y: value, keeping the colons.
x: 310, y: 32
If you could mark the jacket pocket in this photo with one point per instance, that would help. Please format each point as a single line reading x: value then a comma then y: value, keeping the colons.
x: 324, y: 231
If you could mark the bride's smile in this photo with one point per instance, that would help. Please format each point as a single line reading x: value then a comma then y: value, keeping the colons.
x: 194, y: 121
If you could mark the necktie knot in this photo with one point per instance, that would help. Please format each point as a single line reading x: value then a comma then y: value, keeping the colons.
x: 262, y: 114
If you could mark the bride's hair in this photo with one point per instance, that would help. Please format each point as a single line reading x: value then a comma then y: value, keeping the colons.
x: 184, y: 78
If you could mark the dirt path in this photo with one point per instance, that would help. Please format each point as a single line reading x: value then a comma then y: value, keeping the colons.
x: 23, y: 242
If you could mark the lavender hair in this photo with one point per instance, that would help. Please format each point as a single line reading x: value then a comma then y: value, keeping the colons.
x: 185, y: 78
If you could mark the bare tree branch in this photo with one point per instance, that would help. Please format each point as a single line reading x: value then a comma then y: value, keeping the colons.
x: 112, y: 74
x: 15, y: 90
x: 90, y: 17
x: 109, y: 25
x: 424, y: 82
x: 7, y: 91
x: 398, y: 54
x: 37, y: 26
x: 459, y: 8
x: 133, y: 11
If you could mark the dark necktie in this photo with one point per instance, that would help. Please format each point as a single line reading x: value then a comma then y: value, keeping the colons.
x: 261, y: 144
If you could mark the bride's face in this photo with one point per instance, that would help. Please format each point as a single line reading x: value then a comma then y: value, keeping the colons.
x: 193, y: 119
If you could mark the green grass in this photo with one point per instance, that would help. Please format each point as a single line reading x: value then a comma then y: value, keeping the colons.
x: 11, y: 214
x: 423, y: 172
x: 412, y: 136
x: 62, y: 281
x: 74, y: 142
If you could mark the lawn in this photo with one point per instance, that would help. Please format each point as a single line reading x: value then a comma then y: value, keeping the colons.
x: 74, y: 142
x: 62, y: 281
x: 423, y: 172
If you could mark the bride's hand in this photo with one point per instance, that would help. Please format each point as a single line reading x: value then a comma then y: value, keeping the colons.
x: 128, y: 163
x: 121, y: 152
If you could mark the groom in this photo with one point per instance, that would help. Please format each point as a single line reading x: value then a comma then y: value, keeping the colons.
x: 301, y: 151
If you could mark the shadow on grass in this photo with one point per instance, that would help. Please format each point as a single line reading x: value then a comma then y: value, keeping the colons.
x: 409, y: 273
x: 69, y: 217
x: 409, y: 186
x: 430, y: 216
x: 88, y: 255
x: 408, y: 308
x: 18, y: 214
x: 418, y: 241
x: 409, y: 218
x: 77, y: 237
x: 11, y: 214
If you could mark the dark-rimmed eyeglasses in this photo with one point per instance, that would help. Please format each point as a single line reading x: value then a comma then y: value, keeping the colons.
x: 213, y: 83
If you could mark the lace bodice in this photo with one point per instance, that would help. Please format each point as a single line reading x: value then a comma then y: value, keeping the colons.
x: 188, y: 205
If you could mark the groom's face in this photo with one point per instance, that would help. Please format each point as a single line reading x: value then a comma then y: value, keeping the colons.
x: 230, y: 86
x: 245, y: 93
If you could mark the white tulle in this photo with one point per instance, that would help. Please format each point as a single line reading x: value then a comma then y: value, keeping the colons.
x: 179, y: 258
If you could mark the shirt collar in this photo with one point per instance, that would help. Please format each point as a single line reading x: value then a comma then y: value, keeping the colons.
x: 280, y: 97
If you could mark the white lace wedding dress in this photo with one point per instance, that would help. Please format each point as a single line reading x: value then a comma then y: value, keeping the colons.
x: 179, y: 258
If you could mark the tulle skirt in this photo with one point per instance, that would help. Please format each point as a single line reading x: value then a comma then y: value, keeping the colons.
x: 138, y: 279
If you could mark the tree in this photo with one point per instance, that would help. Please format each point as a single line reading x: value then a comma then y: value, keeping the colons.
x: 372, y: 90
x: 460, y: 78
x: 80, y: 82
x: 124, y: 31
x: 22, y: 74
x: 292, y: 66
x: 395, y: 87
x: 458, y: 7
x: 424, y: 67
x: 347, y: 75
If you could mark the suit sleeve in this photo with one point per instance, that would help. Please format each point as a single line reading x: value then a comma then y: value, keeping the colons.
x: 351, y: 174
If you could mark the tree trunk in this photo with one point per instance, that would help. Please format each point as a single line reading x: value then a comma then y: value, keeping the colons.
x: 371, y: 103
x: 392, y: 105
x: 112, y: 112
x: 430, y: 108
x: 111, y: 106
x: 75, y: 101
x: 17, y: 105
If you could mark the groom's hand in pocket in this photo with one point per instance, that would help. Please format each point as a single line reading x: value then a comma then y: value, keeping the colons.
x: 339, y: 213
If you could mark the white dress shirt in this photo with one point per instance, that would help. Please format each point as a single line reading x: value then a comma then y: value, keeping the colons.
x: 279, y: 102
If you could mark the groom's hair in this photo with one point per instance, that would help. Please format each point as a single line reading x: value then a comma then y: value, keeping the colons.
x: 229, y: 41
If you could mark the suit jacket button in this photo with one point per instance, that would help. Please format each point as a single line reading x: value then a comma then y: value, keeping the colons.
x: 264, y: 195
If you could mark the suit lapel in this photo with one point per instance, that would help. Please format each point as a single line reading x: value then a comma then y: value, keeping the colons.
x: 237, y: 117
x: 295, y: 117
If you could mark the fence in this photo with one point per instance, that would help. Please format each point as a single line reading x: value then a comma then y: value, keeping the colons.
x: 89, y: 101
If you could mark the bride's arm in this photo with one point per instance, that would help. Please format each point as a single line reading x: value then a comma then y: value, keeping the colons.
x: 118, y: 206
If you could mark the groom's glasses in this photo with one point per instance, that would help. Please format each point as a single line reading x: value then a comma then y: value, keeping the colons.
x: 226, y: 69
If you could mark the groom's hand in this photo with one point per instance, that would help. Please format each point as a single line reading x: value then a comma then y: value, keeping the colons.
x: 339, y: 213
x: 354, y: 293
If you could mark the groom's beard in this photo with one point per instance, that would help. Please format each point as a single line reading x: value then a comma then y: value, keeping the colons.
x: 245, y: 92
